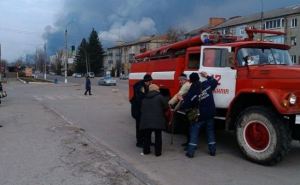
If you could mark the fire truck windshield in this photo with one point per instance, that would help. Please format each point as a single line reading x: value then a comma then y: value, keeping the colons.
x: 263, y: 56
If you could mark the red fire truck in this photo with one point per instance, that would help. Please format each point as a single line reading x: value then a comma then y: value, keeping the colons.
x: 258, y: 92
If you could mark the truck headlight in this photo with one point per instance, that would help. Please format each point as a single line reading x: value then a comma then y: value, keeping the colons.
x: 292, y: 99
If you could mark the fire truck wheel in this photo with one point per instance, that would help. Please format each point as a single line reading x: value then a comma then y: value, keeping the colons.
x: 262, y: 135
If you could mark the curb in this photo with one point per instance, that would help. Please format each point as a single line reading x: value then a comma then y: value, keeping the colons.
x: 22, y: 80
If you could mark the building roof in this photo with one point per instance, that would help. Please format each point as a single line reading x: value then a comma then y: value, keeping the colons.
x: 197, y: 30
x: 144, y: 39
x: 280, y: 12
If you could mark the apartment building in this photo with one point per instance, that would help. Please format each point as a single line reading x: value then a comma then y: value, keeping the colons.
x: 283, y: 19
x: 119, y: 58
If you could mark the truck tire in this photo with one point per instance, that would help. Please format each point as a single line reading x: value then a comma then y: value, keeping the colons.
x: 262, y: 135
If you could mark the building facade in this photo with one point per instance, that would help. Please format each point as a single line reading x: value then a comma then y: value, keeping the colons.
x: 283, y: 19
x: 118, y: 59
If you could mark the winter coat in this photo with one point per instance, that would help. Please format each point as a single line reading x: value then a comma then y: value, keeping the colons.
x: 139, y: 91
x: 153, y: 111
x: 207, y: 106
x: 88, y: 84
x: 191, y: 99
x: 183, y: 90
x: 204, y: 101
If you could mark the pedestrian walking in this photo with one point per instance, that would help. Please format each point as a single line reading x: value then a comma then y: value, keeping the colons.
x: 153, y: 119
x: 140, y: 89
x: 87, y: 86
x: 207, y: 111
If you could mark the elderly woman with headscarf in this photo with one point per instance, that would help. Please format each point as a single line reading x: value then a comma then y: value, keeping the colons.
x: 153, y: 119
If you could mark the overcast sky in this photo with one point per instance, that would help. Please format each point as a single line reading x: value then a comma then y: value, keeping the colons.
x: 27, y: 24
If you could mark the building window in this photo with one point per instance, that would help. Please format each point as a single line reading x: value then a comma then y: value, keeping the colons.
x: 294, y: 23
x: 294, y: 58
x: 277, y: 23
x: 143, y: 47
x: 242, y: 31
x: 293, y: 41
x: 225, y: 31
x: 131, y: 57
x: 282, y: 23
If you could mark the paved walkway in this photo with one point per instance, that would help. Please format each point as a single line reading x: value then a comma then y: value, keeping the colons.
x: 39, y: 147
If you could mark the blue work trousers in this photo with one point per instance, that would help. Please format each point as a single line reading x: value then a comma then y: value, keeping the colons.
x: 194, y: 135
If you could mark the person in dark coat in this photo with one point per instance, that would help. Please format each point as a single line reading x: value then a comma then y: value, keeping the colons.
x: 207, y: 111
x: 87, y: 86
x: 140, y: 88
x: 153, y: 118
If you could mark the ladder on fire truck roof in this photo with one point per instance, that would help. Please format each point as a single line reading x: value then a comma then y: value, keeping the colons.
x: 207, y: 37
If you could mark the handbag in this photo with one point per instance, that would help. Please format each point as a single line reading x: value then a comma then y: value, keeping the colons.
x: 193, y: 114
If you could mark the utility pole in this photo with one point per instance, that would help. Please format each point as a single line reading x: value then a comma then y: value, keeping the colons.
x: 45, y: 62
x: 261, y: 18
x: 66, y: 56
x: 0, y: 65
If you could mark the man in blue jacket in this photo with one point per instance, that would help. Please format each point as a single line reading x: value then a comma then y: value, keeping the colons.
x: 207, y: 111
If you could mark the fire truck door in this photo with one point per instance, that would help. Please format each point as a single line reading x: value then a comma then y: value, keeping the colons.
x: 215, y: 60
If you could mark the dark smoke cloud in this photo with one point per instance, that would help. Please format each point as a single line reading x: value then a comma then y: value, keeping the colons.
x: 126, y: 20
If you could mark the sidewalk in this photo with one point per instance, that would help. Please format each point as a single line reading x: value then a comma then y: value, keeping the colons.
x: 40, y: 148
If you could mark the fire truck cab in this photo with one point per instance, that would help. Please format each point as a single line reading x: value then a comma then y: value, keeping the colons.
x: 258, y: 91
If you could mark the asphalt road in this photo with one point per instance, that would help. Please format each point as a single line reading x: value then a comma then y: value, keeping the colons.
x: 106, y: 118
x: 39, y: 146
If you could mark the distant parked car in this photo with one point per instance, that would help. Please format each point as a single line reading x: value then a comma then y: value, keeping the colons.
x: 77, y: 75
x: 107, y: 81
x: 91, y: 74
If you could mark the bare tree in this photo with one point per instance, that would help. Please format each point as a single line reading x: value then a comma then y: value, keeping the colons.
x: 59, y: 62
x: 175, y: 34
x: 39, y: 60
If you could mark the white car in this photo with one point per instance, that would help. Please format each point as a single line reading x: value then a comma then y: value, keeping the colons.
x: 107, y: 81
x: 77, y: 75
x: 91, y: 74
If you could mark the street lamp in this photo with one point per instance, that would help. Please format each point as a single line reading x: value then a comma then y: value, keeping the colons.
x: 0, y: 65
x: 261, y: 19
x: 45, y: 63
x: 66, y: 56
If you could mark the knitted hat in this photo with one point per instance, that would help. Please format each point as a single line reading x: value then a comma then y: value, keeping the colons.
x: 194, y: 77
x: 153, y: 87
x: 147, y: 78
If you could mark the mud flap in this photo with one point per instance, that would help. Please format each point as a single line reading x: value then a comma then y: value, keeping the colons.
x: 296, y: 128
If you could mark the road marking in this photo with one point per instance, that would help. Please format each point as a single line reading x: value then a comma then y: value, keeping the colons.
x: 37, y: 98
x: 49, y: 97
x: 60, y: 97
